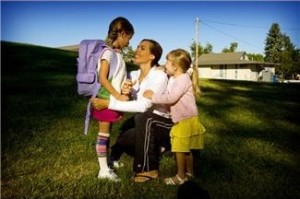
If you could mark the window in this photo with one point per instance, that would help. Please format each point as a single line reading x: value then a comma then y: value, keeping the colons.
x: 223, y: 71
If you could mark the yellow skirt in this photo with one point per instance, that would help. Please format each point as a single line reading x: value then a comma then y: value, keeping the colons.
x: 187, y: 134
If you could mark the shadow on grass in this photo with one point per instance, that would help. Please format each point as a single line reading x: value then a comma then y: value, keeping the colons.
x: 254, y: 110
x: 252, y: 139
x: 37, y: 88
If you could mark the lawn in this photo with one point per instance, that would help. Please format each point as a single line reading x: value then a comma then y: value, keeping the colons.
x: 251, y: 149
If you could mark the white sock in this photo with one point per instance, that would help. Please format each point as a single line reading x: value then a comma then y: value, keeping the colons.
x: 103, y: 164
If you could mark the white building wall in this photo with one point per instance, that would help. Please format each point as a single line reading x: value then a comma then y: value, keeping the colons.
x: 243, y: 74
x: 253, y: 75
x: 204, y: 72
x: 216, y: 72
x: 230, y: 72
x: 271, y: 69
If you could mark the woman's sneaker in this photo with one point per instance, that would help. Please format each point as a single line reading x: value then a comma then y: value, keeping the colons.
x: 109, y: 175
x: 114, y: 164
x: 117, y: 164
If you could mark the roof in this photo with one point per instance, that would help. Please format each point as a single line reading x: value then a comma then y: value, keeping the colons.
x: 221, y: 56
x: 228, y: 59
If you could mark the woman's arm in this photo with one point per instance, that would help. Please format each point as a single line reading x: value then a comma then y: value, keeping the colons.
x: 140, y: 105
x: 156, y: 82
x: 99, y: 103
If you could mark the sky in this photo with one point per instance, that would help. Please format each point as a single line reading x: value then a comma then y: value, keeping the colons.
x: 171, y: 23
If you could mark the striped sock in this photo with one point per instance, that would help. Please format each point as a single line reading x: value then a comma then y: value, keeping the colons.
x: 101, y: 150
x: 102, y: 144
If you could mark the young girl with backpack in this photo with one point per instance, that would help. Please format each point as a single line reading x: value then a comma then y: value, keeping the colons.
x: 187, y: 131
x: 119, y: 34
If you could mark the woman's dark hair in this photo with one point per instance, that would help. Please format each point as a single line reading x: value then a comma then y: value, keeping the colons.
x: 156, y: 50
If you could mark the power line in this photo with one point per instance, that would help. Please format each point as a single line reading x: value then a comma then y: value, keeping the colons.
x: 232, y: 36
x: 248, y: 26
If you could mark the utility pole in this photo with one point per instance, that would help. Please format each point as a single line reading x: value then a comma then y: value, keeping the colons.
x: 197, y: 90
x: 197, y: 42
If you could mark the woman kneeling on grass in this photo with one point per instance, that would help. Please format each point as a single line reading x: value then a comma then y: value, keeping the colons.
x: 187, y: 132
x: 145, y: 149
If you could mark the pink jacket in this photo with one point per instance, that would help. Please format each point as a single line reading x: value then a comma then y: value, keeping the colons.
x: 179, y: 95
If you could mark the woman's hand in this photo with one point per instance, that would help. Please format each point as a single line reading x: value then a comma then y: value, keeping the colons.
x: 99, y: 104
x: 148, y: 94
x: 126, y: 87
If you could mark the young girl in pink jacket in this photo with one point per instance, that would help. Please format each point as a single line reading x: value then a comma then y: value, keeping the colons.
x: 187, y: 132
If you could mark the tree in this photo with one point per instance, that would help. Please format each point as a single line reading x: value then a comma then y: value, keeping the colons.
x: 286, y: 58
x: 255, y: 57
x: 290, y: 59
x: 296, y: 65
x: 233, y: 46
x: 280, y: 49
x: 231, y: 49
x: 273, y: 44
x: 128, y: 55
x: 193, y: 47
x: 201, y: 50
x: 208, y: 49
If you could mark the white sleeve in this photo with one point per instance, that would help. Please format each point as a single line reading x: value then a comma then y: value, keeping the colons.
x: 107, y: 55
x: 157, y: 82
x: 140, y: 105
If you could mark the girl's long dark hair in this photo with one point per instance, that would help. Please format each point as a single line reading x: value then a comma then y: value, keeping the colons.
x: 118, y: 25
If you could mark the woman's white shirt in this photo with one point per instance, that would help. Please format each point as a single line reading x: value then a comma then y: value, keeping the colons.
x: 156, y: 80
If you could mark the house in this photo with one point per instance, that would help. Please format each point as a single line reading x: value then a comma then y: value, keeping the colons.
x: 234, y: 66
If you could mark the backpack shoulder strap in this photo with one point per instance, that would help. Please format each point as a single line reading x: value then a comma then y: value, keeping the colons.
x: 114, y: 61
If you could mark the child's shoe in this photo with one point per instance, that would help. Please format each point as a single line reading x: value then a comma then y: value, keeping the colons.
x: 109, y: 174
x: 176, y: 180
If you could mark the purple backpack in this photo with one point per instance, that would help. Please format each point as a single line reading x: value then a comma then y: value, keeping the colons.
x: 87, y: 79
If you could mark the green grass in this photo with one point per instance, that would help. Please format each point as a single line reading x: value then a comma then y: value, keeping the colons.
x: 251, y: 150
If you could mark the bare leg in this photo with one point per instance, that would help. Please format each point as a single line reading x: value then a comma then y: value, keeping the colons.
x: 104, y: 127
x: 189, y: 164
x: 181, y: 163
x: 180, y: 177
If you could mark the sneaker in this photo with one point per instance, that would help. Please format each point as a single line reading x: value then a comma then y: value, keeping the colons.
x: 114, y: 164
x: 109, y: 174
x: 117, y: 164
